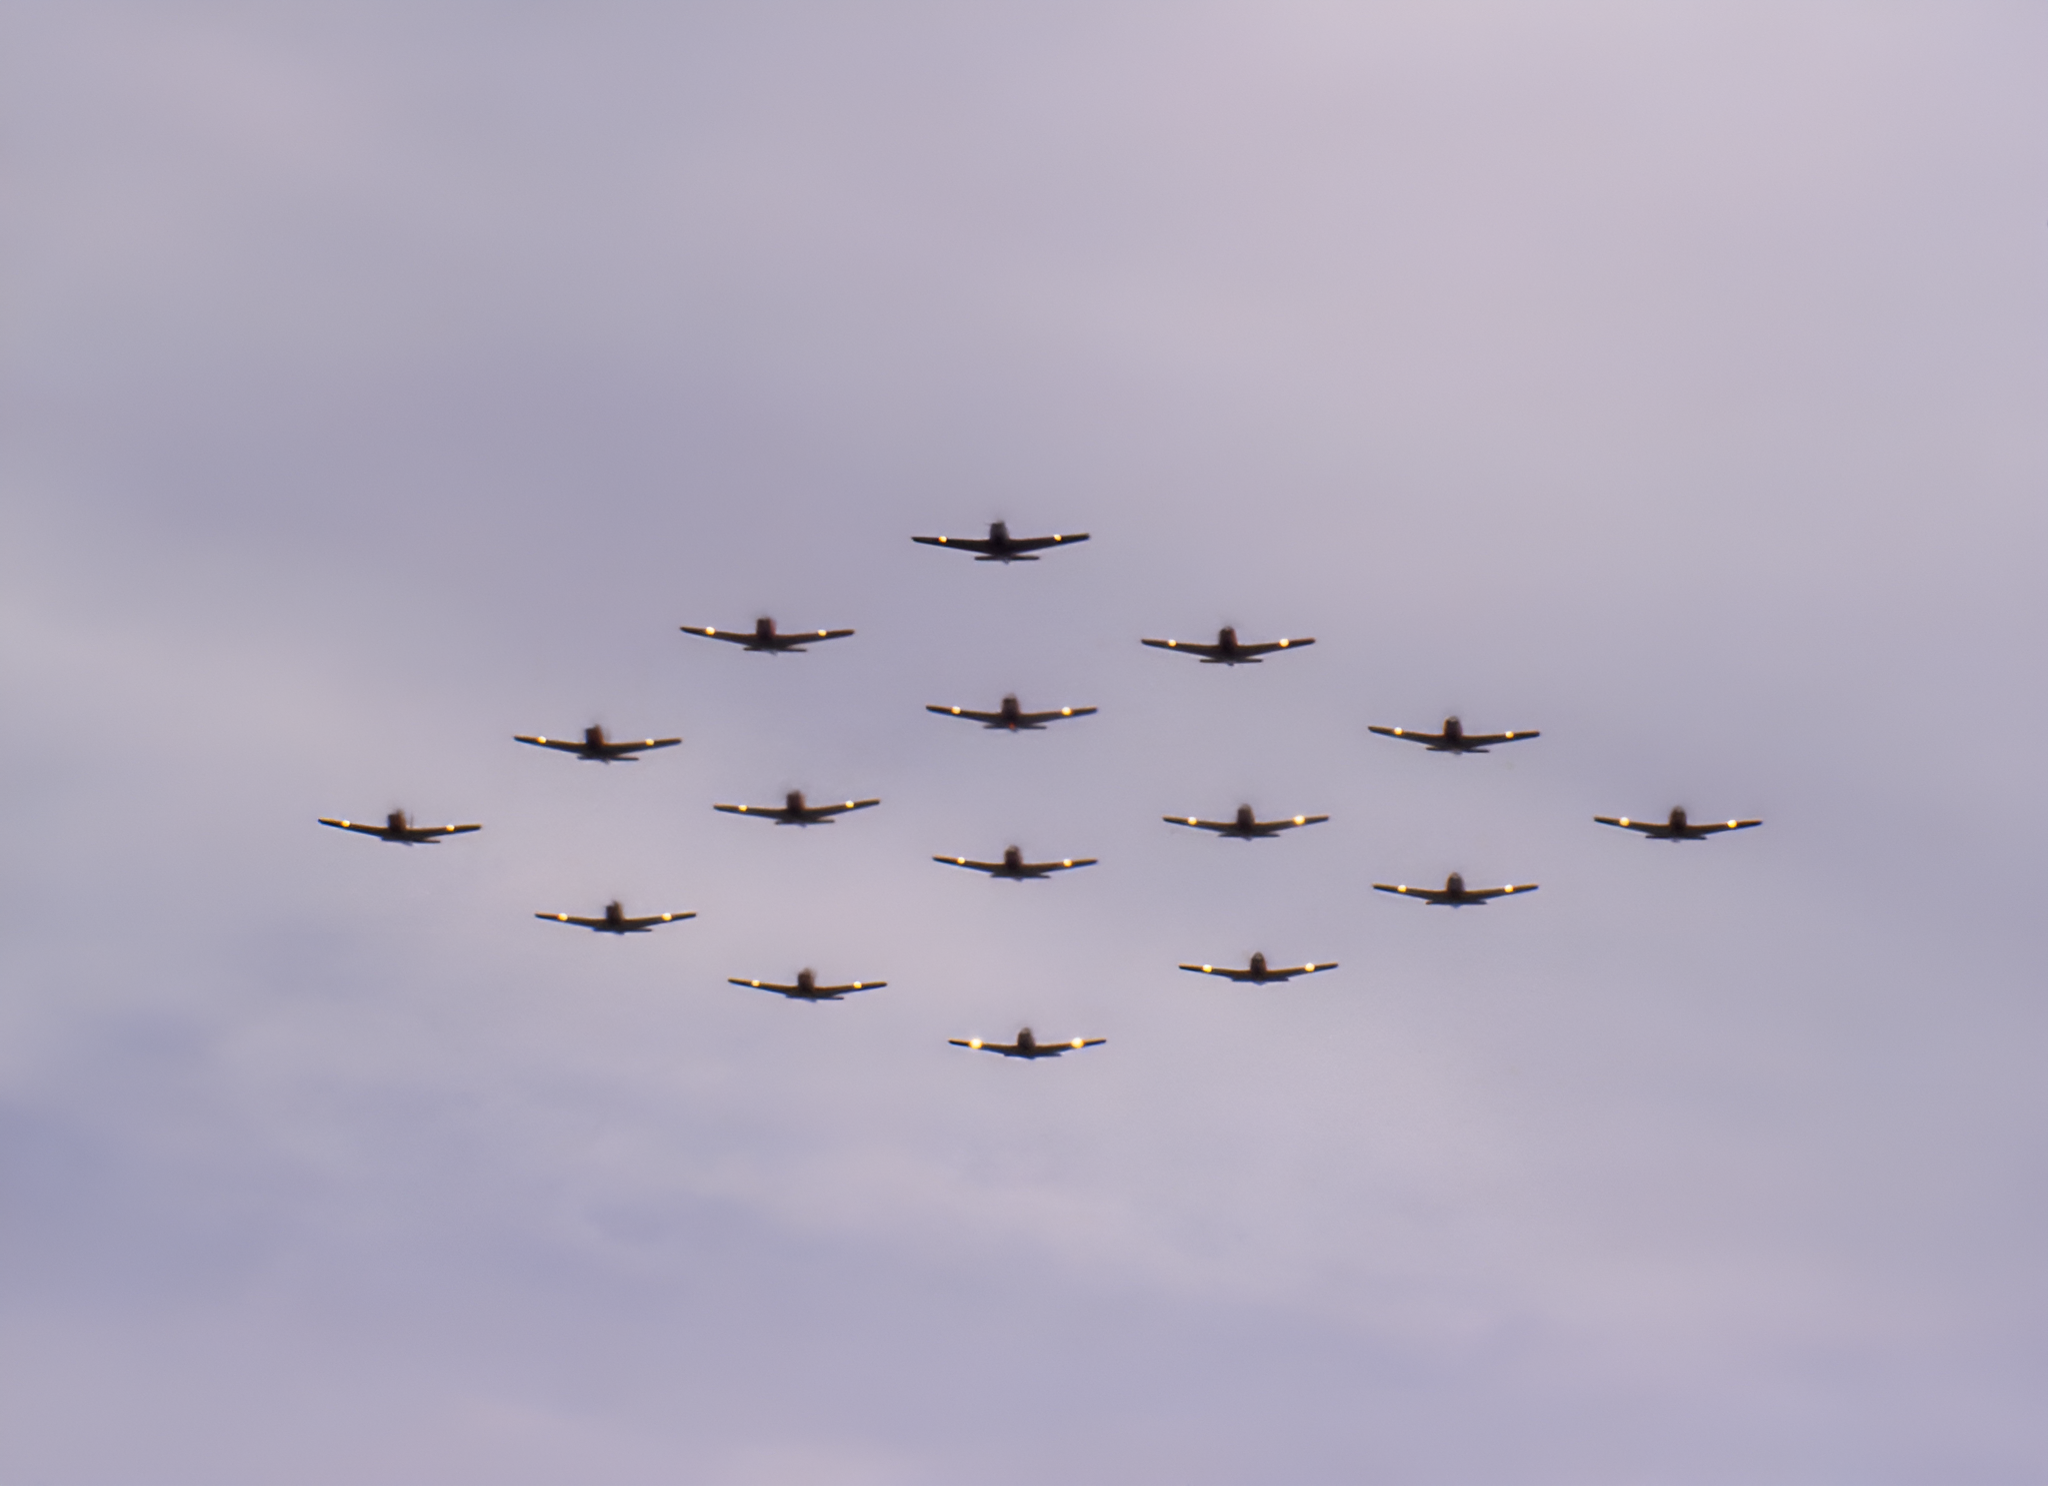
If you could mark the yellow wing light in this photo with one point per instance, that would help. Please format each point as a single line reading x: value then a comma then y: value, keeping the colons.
x: 1284, y: 644
x: 1301, y: 820
x: 1075, y: 1043
x: 974, y: 1042
x: 1731, y: 825
x: 562, y: 918
x: 1066, y: 711
x: 1624, y: 820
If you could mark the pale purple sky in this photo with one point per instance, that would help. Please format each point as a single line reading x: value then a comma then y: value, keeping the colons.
x: 383, y: 380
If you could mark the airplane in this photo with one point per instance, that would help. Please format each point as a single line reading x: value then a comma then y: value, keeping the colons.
x: 1258, y: 974
x: 1227, y: 651
x: 1000, y: 546
x: 1010, y: 718
x: 1244, y: 828
x: 1454, y: 738
x: 807, y: 987
x: 794, y: 812
x: 1677, y: 828
x: 1027, y: 1046
x: 764, y: 637
x: 1015, y: 868
x: 595, y: 747
x: 616, y: 922
x: 1454, y: 893
x: 398, y: 828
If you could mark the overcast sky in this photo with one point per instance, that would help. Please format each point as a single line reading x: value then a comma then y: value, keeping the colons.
x: 384, y: 380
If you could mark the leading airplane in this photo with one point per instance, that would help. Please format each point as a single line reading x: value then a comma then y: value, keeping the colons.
x: 398, y: 828
x: 794, y: 812
x: 596, y: 748
x: 1010, y: 717
x: 616, y: 922
x: 1454, y: 893
x: 1244, y: 827
x: 807, y: 987
x: 1258, y: 973
x: 1677, y: 828
x: 1027, y: 1046
x: 1000, y: 546
x: 1454, y: 738
x: 1227, y: 651
x: 763, y: 636
x: 1015, y: 868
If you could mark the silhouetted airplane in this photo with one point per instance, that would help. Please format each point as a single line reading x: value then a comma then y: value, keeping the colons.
x: 1244, y: 828
x: 1454, y: 738
x: 397, y: 828
x: 1027, y: 1046
x: 1226, y: 651
x: 1000, y: 546
x: 1257, y: 973
x: 1677, y: 828
x: 1010, y: 718
x: 794, y: 812
x: 597, y: 748
x: 1454, y: 893
x: 616, y: 922
x: 1014, y: 867
x: 807, y: 987
x: 763, y: 636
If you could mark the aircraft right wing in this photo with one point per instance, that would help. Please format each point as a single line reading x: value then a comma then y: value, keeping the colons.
x: 966, y: 544
x: 964, y: 712
x: 841, y: 808
x: 1268, y: 647
x: 1189, y: 645
x: 1499, y: 892
x: 1035, y: 544
x: 1036, y: 717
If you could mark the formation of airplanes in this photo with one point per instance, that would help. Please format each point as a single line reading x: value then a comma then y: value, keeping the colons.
x: 1009, y: 716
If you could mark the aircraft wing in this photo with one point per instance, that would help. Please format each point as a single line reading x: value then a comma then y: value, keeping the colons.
x: 1409, y: 733
x: 797, y: 990
x: 1223, y: 970
x: 1188, y: 645
x: 1295, y: 820
x: 858, y: 985
x: 841, y: 808
x: 440, y: 830
x: 767, y: 812
x: 1200, y: 825
x: 638, y: 746
x: 655, y: 918
x: 562, y: 743
x: 1035, y: 544
x: 733, y: 636
x: 1029, y: 718
x: 965, y: 544
x: 354, y: 825
x: 1062, y: 866
x: 1499, y: 892
x: 1270, y: 646
x: 1628, y: 824
x: 1427, y: 894
x: 581, y: 923
x: 1482, y: 740
x: 821, y: 634
x: 970, y: 865
x: 964, y: 712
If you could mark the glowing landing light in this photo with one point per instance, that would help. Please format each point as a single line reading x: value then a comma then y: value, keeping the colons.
x: 1309, y: 966
x: 1400, y: 733
x: 1075, y: 1043
x: 942, y: 541
x: 1301, y: 820
x: 344, y: 823
x: 1507, y: 735
x: 540, y: 740
x: 563, y: 917
x: 666, y: 917
x: 1192, y: 821
x: 1508, y: 889
x: 1402, y: 888
x: 956, y: 711
x: 1624, y: 820
x: 974, y: 1042
x: 1208, y: 969
x: 821, y: 632
x: 1173, y: 644
x: 1283, y: 644
x: 1731, y: 825
x: 1066, y: 711
x: 1068, y: 862
x: 849, y: 804
x: 960, y: 861
x: 857, y: 985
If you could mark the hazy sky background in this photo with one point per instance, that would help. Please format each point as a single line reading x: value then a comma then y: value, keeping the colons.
x: 383, y: 380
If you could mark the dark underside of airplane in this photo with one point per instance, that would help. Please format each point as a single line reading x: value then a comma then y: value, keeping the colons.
x: 1244, y: 826
x: 1009, y: 717
x: 397, y: 827
x: 1015, y: 868
x: 794, y: 812
x: 1454, y: 893
x: 1000, y: 546
x: 764, y: 636
x: 597, y: 748
x: 1454, y: 738
x: 1228, y: 651
x: 1676, y: 827
x: 614, y: 920
x: 1027, y: 1046
x: 1258, y: 972
x: 807, y: 987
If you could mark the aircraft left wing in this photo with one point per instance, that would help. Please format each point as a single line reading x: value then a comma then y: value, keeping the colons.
x: 968, y: 713
x: 1029, y: 718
